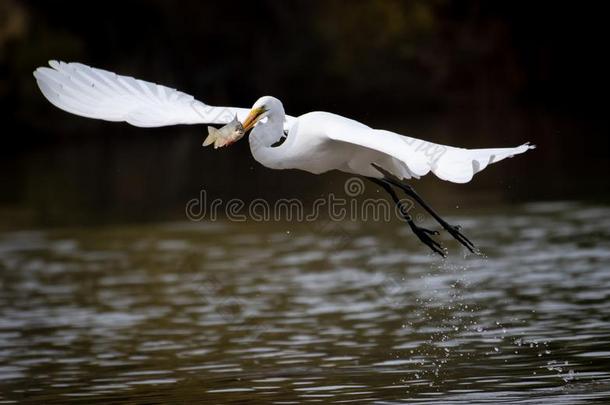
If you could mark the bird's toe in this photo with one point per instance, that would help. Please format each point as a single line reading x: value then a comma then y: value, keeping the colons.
x: 455, y: 231
x: 424, y: 236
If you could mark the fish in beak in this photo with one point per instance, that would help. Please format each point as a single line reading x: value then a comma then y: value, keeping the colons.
x: 225, y: 136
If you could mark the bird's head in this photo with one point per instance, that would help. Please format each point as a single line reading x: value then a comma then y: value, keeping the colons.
x: 264, y: 107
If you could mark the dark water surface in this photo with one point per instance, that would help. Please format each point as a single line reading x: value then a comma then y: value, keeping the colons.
x: 294, y: 313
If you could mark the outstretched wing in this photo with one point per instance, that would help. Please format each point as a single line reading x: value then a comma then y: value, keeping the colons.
x: 408, y: 157
x: 100, y: 94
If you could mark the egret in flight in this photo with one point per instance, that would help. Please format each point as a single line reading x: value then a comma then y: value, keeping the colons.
x: 316, y: 142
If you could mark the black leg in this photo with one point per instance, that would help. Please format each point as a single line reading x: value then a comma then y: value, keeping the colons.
x: 422, y: 233
x: 453, y: 230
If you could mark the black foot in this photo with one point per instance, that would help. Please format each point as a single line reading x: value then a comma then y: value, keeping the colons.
x: 459, y: 236
x: 424, y: 235
x: 453, y: 230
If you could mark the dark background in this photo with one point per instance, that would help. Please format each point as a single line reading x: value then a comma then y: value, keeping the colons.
x: 466, y: 73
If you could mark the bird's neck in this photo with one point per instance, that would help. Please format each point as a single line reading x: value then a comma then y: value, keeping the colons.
x: 262, y: 137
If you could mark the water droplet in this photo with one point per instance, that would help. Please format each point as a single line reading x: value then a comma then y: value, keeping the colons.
x: 570, y: 376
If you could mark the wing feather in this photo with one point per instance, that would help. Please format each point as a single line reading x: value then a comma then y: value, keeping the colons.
x: 414, y: 157
x: 97, y: 93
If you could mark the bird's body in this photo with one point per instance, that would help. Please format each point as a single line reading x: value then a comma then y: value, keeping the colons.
x: 307, y: 145
x: 319, y: 141
x: 316, y: 142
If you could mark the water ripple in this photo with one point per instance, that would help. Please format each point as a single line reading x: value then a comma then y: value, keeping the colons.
x: 233, y: 312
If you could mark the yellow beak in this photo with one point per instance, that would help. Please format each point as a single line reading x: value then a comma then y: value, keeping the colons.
x: 252, y: 118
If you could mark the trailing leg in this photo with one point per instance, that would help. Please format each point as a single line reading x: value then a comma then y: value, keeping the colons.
x: 423, y: 234
x: 454, y: 230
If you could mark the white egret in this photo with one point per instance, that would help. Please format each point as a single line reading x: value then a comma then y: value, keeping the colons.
x: 316, y: 142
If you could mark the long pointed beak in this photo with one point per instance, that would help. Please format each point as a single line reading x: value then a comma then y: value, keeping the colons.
x: 252, y: 118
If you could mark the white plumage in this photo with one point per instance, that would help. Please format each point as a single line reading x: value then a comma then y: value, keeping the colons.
x: 317, y: 141
x: 98, y: 93
x: 408, y: 157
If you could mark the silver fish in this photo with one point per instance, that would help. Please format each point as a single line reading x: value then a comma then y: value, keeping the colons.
x: 230, y: 133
